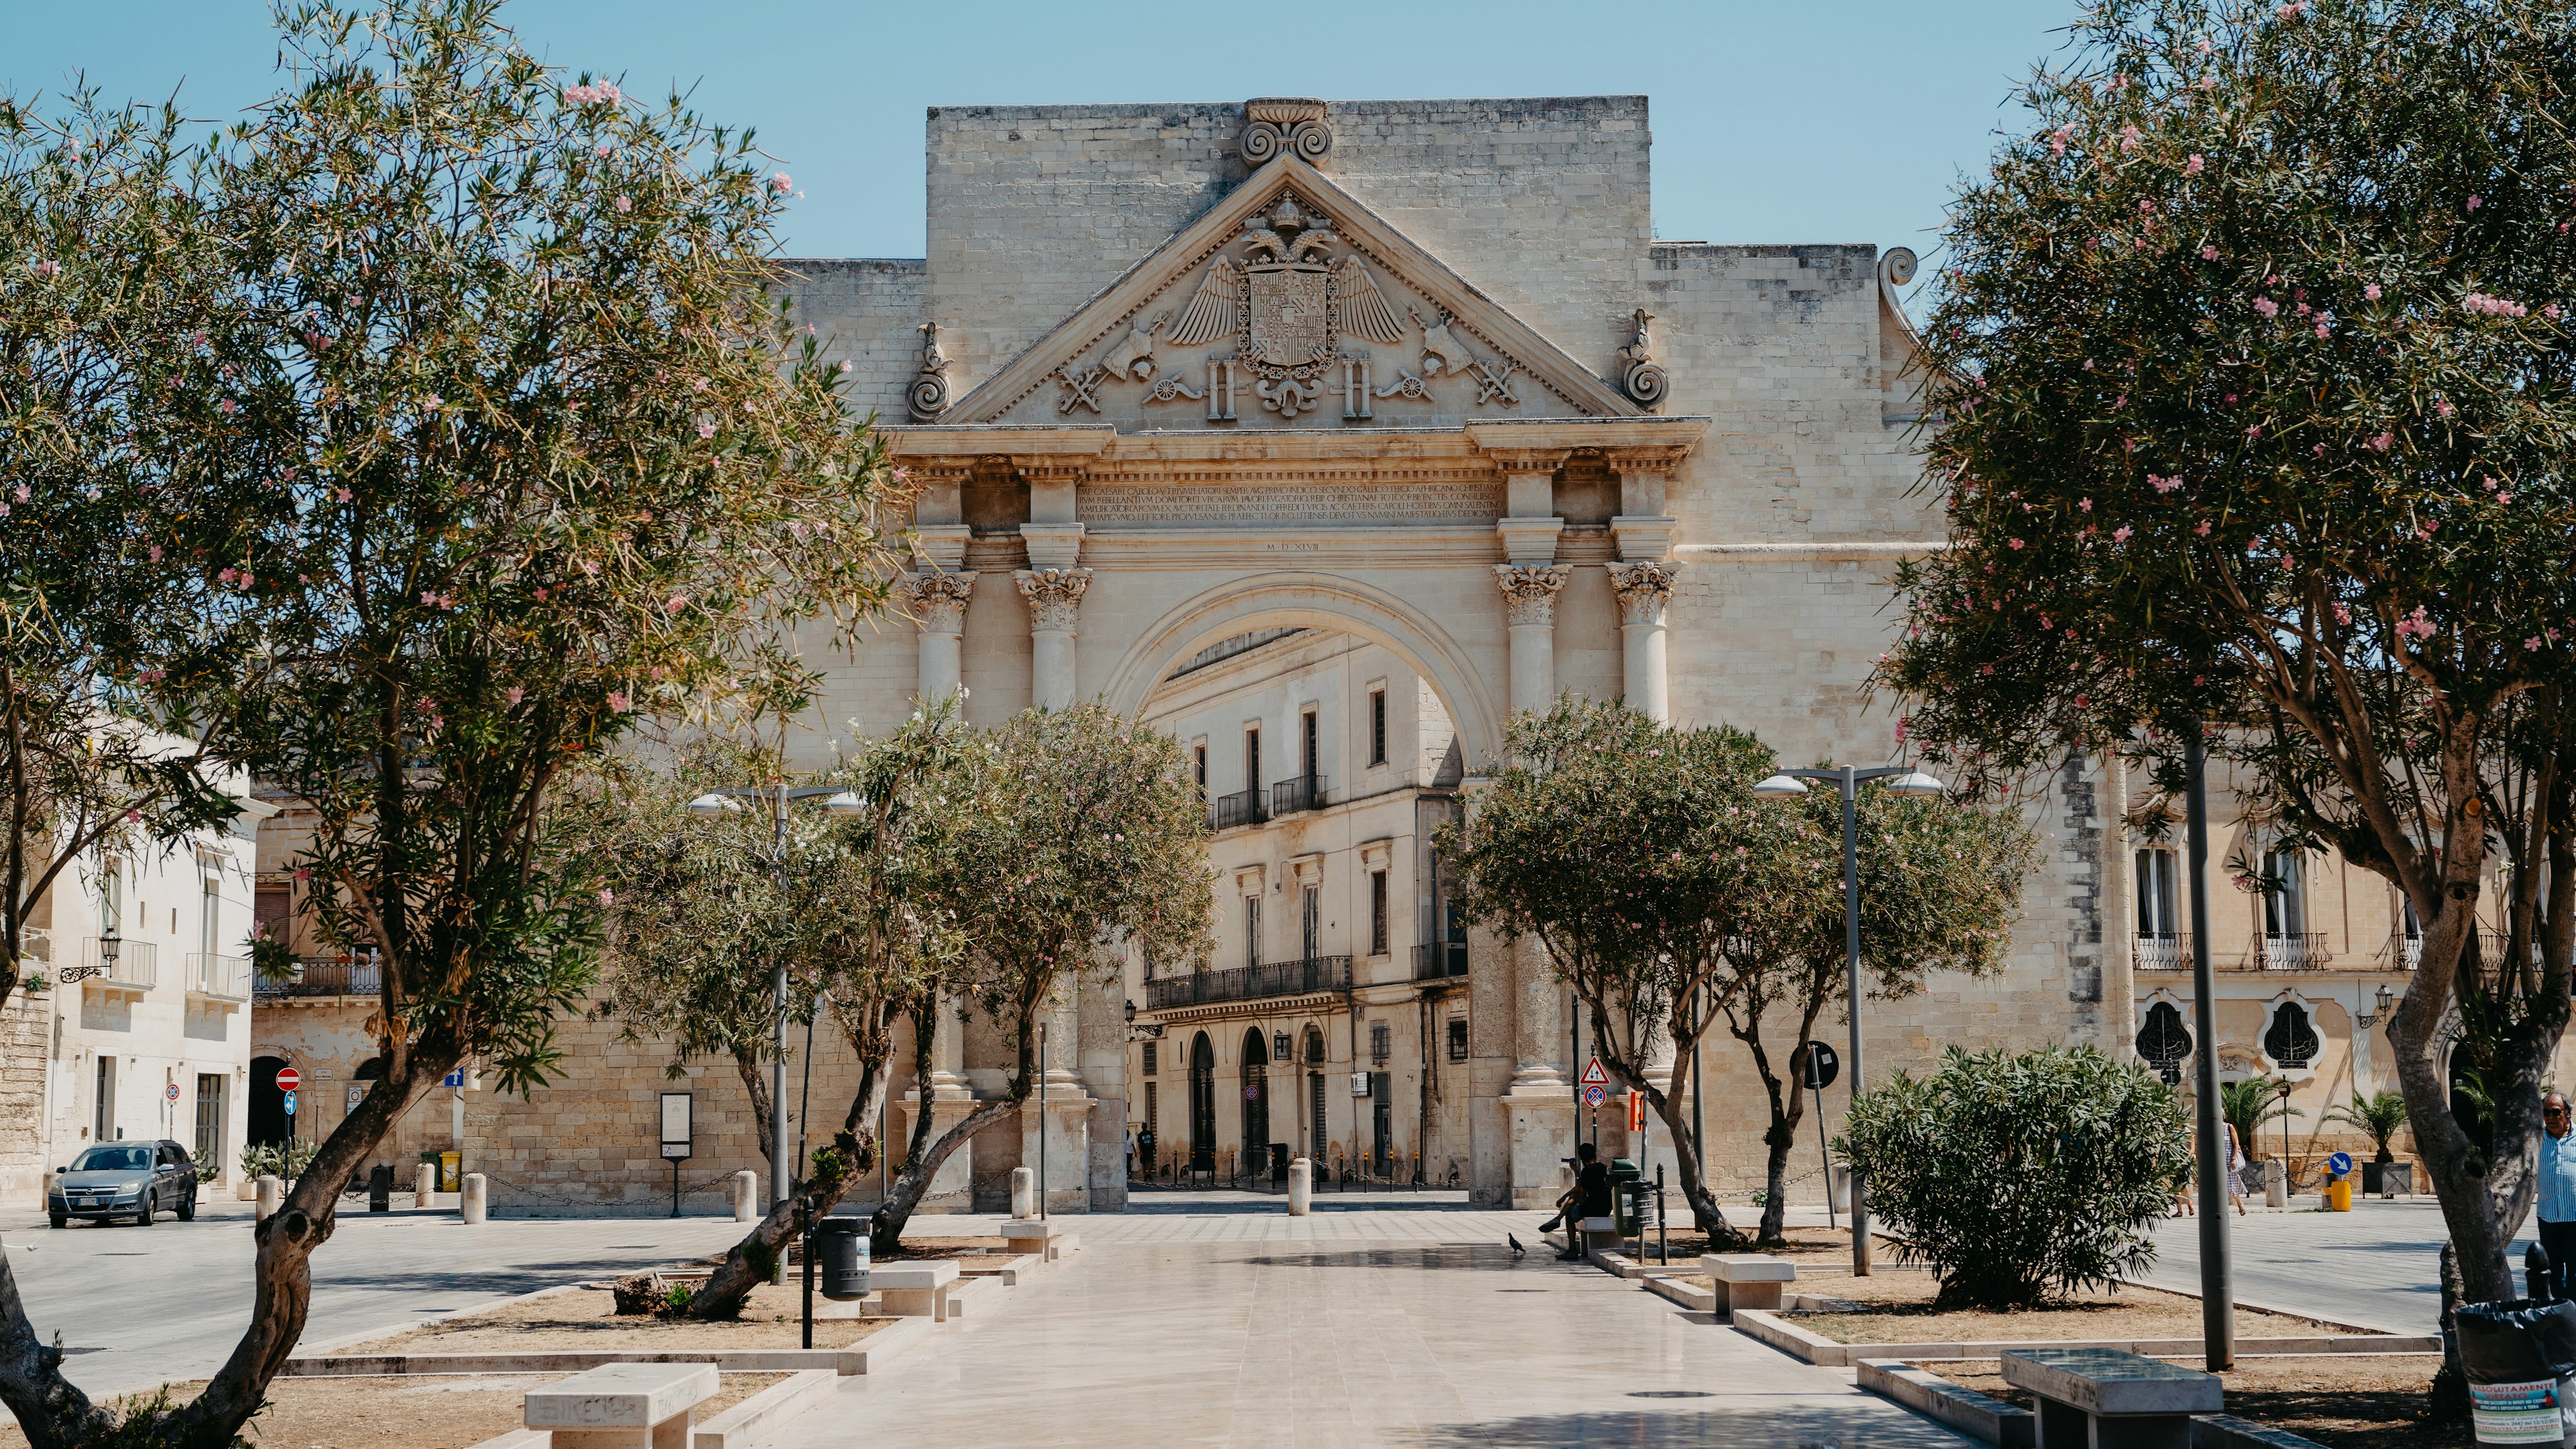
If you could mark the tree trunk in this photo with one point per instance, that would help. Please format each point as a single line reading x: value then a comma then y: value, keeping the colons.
x: 746, y: 1064
x: 1776, y: 1142
x: 886, y: 1234
x: 56, y: 1415
x: 754, y: 1260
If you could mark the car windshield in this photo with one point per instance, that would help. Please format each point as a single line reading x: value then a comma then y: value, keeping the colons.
x: 113, y: 1159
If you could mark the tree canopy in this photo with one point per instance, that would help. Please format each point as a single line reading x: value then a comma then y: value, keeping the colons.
x: 2252, y: 369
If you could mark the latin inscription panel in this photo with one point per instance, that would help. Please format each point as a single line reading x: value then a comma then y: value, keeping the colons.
x: 1222, y: 506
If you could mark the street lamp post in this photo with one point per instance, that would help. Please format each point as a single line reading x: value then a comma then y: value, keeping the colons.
x: 1904, y: 780
x: 716, y: 804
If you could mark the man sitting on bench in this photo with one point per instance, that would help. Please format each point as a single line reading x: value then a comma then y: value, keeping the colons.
x: 1588, y: 1198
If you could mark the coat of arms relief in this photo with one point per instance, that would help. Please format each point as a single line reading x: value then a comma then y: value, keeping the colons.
x: 1285, y: 293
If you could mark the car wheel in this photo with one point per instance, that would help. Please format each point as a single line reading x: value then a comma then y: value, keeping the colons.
x: 58, y: 1220
x: 188, y: 1207
x: 144, y: 1217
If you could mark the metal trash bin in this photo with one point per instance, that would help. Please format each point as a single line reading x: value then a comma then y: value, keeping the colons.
x: 841, y: 1251
x: 380, y: 1188
x: 1624, y: 1181
x: 1279, y: 1164
x: 2520, y: 1360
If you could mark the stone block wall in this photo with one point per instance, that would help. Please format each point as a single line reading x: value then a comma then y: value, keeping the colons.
x: 23, y: 1063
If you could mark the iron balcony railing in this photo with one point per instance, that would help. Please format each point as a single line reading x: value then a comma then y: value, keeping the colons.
x: 326, y: 976
x: 225, y: 977
x: 2403, y: 952
x: 1250, y: 983
x: 2302, y: 951
x: 1243, y: 808
x: 1302, y: 792
x: 1439, y: 960
x: 2163, y: 953
x: 137, y: 965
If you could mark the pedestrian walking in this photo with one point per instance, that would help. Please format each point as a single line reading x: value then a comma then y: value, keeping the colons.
x: 2557, y: 1191
x: 2182, y: 1207
x: 2235, y: 1170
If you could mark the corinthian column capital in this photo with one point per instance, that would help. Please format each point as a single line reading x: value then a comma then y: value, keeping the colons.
x: 1529, y: 592
x: 1054, y: 595
x: 936, y: 600
x: 1643, y: 587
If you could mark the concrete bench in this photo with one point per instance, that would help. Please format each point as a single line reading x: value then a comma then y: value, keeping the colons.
x: 1599, y: 1233
x: 1747, y: 1280
x: 2106, y: 1398
x: 1039, y: 1235
x: 916, y: 1290
x: 622, y: 1406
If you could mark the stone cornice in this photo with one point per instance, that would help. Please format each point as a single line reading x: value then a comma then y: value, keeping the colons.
x: 1266, y: 1006
x: 1485, y: 447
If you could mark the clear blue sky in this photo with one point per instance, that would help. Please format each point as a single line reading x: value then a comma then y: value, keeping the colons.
x: 1773, y: 122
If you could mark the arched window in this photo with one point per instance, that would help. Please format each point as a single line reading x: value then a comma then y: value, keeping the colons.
x: 1256, y: 1101
x: 1314, y: 1046
x: 1202, y: 1104
x: 2163, y: 1043
x: 2292, y: 1041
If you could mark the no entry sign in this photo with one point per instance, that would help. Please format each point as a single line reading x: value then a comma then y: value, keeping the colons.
x: 288, y: 1079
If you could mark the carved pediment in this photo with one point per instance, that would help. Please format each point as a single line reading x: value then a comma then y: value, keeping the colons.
x: 1290, y: 305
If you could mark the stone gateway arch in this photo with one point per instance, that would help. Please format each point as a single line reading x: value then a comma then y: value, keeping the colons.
x: 1327, y: 435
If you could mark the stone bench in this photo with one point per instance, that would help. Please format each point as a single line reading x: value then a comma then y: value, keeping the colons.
x: 1039, y: 1236
x: 2106, y: 1398
x: 1747, y: 1280
x: 916, y: 1289
x: 1599, y: 1233
x: 622, y: 1406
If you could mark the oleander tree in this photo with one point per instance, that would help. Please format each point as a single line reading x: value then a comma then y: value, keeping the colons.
x: 1077, y: 836
x: 2252, y: 366
x: 513, y: 457
x: 106, y: 269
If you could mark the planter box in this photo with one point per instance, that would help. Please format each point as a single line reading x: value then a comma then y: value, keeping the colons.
x: 2387, y: 1177
x: 1815, y: 1348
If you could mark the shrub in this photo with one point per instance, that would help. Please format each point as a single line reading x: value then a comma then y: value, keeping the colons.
x: 2017, y: 1177
x: 287, y: 1160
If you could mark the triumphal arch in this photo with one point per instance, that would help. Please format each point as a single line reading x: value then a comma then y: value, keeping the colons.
x: 1193, y: 387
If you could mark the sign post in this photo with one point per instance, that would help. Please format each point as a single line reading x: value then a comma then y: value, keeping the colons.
x: 678, y: 1133
x: 1596, y: 1090
x: 1817, y: 1068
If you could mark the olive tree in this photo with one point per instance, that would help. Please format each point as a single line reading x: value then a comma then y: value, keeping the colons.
x: 2252, y: 361
x: 516, y: 455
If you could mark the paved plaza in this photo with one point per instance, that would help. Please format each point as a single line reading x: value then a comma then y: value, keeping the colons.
x: 2379, y: 1265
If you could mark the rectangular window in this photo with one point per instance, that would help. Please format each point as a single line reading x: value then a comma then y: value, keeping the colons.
x: 1252, y: 757
x: 2284, y: 911
x: 1311, y: 756
x: 1377, y: 726
x: 1153, y: 1108
x: 2156, y: 894
x: 269, y: 908
x: 103, y: 1119
x: 1457, y: 1038
x: 210, y: 914
x: 1198, y: 766
x: 111, y: 893
x: 1252, y: 930
x: 1310, y: 925
x: 210, y: 1114
x: 1381, y: 1042
x: 1149, y: 1057
x: 1377, y: 913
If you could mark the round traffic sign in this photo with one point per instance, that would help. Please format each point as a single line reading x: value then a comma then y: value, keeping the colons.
x: 290, y: 1104
x: 1818, y: 1066
x: 1252, y: 1094
x: 2340, y: 1164
x: 1595, y: 1096
x: 288, y: 1079
x: 171, y: 1091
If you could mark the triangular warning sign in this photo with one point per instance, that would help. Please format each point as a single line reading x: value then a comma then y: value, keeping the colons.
x: 1593, y: 1076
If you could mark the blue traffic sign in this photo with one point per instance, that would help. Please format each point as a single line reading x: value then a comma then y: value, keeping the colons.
x: 290, y: 1104
x: 453, y: 1079
x: 1595, y: 1096
x: 2340, y: 1164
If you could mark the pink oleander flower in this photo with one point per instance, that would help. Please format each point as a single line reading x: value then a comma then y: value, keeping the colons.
x: 706, y: 430
x: 781, y: 183
x: 2342, y: 614
x: 2267, y: 306
x: 2129, y: 137
x: 2493, y: 306
x: 2443, y: 406
x: 23, y: 493
x: 2324, y: 330
x: 617, y: 701
x: 2194, y: 166
x: 607, y: 898
x: 606, y: 150
x: 2383, y: 442
x: 514, y: 694
x: 343, y: 494
x: 675, y: 603
x: 2203, y: 528
x: 156, y: 553
x: 2371, y: 291
x: 2532, y: 643
x: 845, y: 364
x: 625, y: 203
x: 2209, y: 254
x: 2016, y: 544
x: 2085, y: 503
x: 2058, y: 138
x: 2120, y: 534
x: 2473, y: 203
x: 45, y: 267
x: 2254, y: 432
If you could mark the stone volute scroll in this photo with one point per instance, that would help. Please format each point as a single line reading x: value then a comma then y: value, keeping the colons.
x: 1054, y: 595
x: 1895, y: 267
x: 1643, y: 588
x: 1291, y: 124
x: 1644, y: 381
x: 930, y: 390
x: 1529, y: 592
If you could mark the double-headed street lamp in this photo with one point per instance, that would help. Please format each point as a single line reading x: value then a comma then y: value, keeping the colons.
x: 715, y: 805
x: 1904, y: 780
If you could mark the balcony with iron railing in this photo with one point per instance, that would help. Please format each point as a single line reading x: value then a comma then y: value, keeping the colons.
x: 1299, y: 793
x: 137, y: 966
x: 2162, y: 953
x: 1242, y: 808
x: 218, y: 977
x: 2299, y: 951
x: 1439, y: 960
x: 324, y: 976
x: 1250, y: 983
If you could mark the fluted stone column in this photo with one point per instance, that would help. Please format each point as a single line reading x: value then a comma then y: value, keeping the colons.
x: 1055, y: 601
x: 1529, y: 610
x: 1067, y: 1118
x: 937, y: 602
x: 1643, y: 587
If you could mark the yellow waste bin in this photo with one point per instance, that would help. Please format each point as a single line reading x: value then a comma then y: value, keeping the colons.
x: 450, y: 1180
x: 2339, y: 1196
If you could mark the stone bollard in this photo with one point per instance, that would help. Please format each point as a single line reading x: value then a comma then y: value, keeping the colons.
x: 424, y: 1185
x: 2276, y: 1183
x: 272, y: 1195
x: 1301, y: 1187
x: 746, y: 1196
x: 1024, y: 1193
x: 469, y: 1203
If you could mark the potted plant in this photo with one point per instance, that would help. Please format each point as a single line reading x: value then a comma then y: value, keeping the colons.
x: 2380, y: 1114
